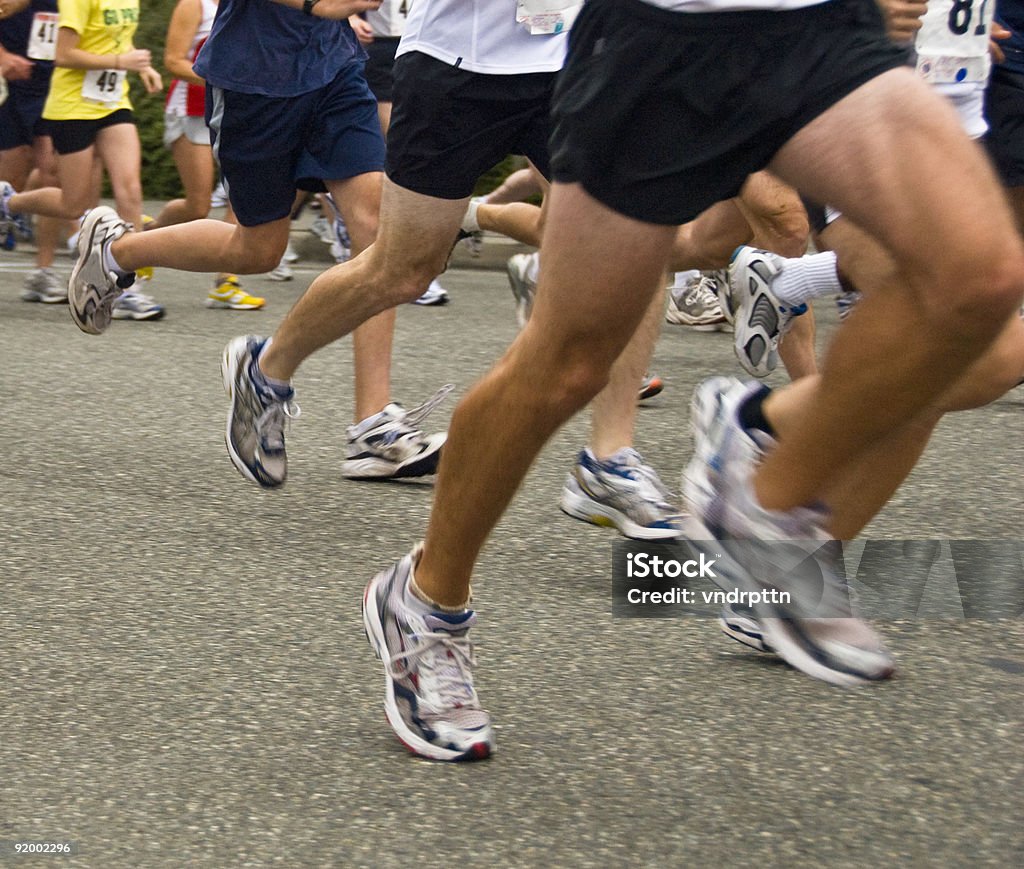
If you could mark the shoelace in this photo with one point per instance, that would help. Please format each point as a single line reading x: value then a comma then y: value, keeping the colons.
x: 701, y: 291
x: 445, y: 664
x: 270, y: 424
x: 413, y: 417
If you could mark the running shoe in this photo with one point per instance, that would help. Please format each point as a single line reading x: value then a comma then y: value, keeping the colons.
x: 219, y: 196
x: 390, y: 446
x: 429, y: 698
x: 257, y: 415
x: 695, y: 305
x: 321, y: 228
x: 229, y: 294
x: 435, y: 294
x: 772, y: 554
x: 8, y: 229
x: 738, y: 622
x: 283, y: 272
x: 92, y: 290
x: 846, y: 302
x: 23, y: 229
x: 761, y: 319
x: 621, y: 492
x: 523, y: 288
x: 136, y: 306
x: 650, y: 386
x: 43, y: 286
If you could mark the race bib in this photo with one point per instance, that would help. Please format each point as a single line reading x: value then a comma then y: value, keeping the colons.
x: 104, y: 85
x: 953, y: 70
x: 42, y: 40
x: 543, y: 17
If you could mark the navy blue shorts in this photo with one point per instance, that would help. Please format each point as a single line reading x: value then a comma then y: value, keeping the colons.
x: 21, y: 117
x: 270, y: 146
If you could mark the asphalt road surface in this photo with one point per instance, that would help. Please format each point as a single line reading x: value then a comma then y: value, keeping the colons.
x: 184, y: 680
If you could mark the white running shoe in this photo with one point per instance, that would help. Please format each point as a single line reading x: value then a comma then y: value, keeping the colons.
x: 257, y: 415
x: 43, y: 286
x: 523, y: 288
x: 390, y: 446
x: 92, y: 291
x: 429, y: 698
x: 621, y: 492
x: 761, y: 320
x: 136, y: 306
x: 435, y: 294
x: 695, y: 305
x: 283, y: 272
x: 784, y: 559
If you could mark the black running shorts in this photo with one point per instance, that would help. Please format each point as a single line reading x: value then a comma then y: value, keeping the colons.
x: 660, y: 114
x: 1004, y: 109
x: 449, y: 126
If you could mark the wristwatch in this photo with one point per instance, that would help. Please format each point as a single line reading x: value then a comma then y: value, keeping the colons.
x: 307, y: 6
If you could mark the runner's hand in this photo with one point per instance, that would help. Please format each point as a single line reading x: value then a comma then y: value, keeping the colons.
x: 136, y: 60
x: 902, y: 18
x: 151, y: 80
x: 363, y: 31
x: 338, y: 9
x: 14, y: 67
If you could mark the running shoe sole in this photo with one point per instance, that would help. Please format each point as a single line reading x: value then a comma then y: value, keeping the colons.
x: 422, y: 465
x: 587, y: 510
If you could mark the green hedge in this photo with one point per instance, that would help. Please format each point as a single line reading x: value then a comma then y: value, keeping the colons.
x: 159, y: 175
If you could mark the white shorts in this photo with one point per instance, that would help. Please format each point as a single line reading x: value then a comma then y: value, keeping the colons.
x: 192, y: 128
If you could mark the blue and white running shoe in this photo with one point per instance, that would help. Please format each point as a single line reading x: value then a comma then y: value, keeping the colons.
x: 784, y: 560
x: 621, y: 492
x: 257, y: 415
x: 428, y: 659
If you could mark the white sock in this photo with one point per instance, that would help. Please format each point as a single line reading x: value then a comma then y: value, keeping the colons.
x: 807, y: 277
x: 469, y: 222
x: 533, y: 269
x: 110, y: 264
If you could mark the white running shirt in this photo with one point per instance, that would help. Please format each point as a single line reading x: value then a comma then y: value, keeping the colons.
x: 389, y: 19
x: 177, y: 95
x: 732, y: 5
x: 480, y: 36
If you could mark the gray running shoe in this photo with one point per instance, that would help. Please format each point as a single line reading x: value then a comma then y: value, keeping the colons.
x: 621, y: 492
x: 392, y: 446
x: 92, y: 291
x: 429, y: 698
x: 784, y: 560
x: 695, y: 305
x: 256, y: 417
x: 738, y: 622
x: 522, y: 287
x: 136, y: 306
x: 761, y: 319
x: 43, y: 286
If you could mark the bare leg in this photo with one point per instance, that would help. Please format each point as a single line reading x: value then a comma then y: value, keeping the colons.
x: 588, y: 306
x: 195, y: 166
x: 411, y: 249
x: 614, y: 410
x: 962, y: 277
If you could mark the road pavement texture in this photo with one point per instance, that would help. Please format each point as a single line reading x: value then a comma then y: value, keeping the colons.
x: 184, y: 678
